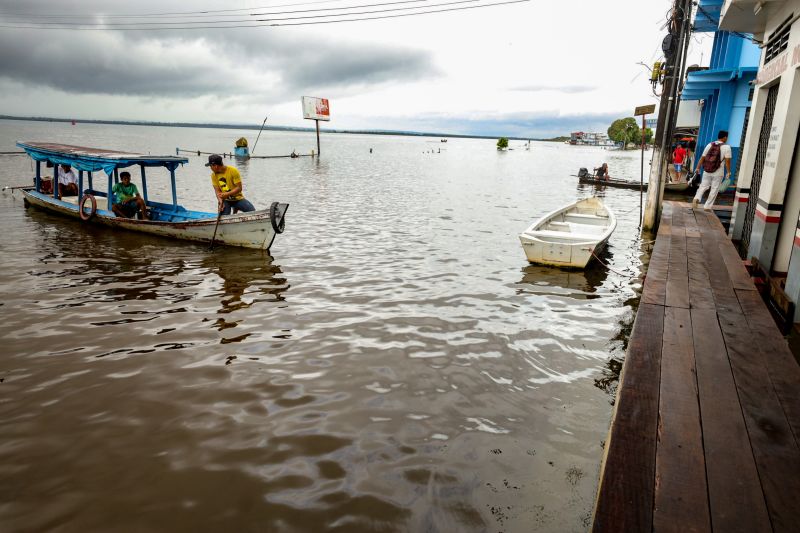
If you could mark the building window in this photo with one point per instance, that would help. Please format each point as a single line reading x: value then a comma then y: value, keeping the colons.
x: 778, y: 42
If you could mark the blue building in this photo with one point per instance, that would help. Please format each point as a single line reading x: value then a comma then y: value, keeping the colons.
x: 725, y: 87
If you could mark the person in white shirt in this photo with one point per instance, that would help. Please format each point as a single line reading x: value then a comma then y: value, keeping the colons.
x: 67, y: 181
x: 716, y: 164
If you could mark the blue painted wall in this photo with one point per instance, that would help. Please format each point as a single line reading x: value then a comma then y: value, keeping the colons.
x: 725, y: 86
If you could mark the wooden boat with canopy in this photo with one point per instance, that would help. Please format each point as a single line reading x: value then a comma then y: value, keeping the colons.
x: 256, y: 229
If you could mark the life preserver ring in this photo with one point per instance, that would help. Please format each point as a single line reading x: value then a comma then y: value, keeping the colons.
x: 277, y: 225
x: 84, y: 215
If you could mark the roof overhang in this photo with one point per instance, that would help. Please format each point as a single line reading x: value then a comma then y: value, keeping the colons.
x: 748, y: 16
x: 702, y: 84
x: 707, y: 15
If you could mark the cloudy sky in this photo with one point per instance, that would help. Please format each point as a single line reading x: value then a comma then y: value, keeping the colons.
x: 530, y: 69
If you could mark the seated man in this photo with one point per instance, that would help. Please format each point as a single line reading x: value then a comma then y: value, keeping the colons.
x: 601, y: 172
x: 67, y: 181
x: 126, y: 198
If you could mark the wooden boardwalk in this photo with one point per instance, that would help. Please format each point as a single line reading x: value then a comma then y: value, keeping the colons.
x: 707, y: 419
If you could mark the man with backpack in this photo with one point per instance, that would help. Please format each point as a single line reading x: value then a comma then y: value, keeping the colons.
x: 714, y: 170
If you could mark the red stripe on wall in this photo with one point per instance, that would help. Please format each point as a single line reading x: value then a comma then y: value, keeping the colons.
x: 767, y: 219
x: 742, y: 199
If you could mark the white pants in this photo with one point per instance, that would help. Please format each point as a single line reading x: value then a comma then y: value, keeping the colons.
x: 712, y: 182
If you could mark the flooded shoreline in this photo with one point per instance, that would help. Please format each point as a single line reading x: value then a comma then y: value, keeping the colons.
x: 394, y: 364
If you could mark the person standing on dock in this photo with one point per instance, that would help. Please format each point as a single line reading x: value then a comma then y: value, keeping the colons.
x: 227, y: 185
x: 715, y: 161
x: 678, y: 158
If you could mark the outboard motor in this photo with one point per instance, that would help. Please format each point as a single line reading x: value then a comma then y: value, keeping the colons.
x: 583, y: 173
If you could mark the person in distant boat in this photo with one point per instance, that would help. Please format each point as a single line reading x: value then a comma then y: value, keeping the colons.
x: 127, y: 201
x: 227, y: 185
x: 67, y: 181
x: 601, y: 172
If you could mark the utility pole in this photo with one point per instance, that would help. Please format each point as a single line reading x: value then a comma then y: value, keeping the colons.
x: 674, y: 46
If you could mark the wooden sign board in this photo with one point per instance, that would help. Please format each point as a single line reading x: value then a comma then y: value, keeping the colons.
x: 645, y: 110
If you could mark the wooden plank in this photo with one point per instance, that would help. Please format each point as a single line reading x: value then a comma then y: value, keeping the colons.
x: 734, y: 489
x: 677, y: 294
x: 625, y: 496
x: 774, y: 448
x: 655, y: 283
x: 736, y: 270
x: 700, y: 294
x: 681, y: 498
x: 721, y: 286
x: 781, y: 364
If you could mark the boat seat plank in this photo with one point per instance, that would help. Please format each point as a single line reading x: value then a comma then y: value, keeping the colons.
x: 567, y: 235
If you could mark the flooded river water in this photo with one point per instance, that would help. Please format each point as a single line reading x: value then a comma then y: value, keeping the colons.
x: 394, y: 364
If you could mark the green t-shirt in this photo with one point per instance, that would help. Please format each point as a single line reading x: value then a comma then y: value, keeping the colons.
x: 123, y: 193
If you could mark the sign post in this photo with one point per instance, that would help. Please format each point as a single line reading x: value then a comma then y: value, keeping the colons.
x: 316, y: 109
x: 643, y: 111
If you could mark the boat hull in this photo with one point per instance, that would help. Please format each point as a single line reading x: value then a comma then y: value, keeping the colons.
x: 247, y: 230
x: 623, y: 184
x: 569, y: 237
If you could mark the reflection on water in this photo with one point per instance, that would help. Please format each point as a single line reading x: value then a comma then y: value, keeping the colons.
x: 395, y: 365
x: 578, y: 284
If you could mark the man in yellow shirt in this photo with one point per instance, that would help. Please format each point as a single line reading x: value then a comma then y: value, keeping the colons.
x: 227, y: 185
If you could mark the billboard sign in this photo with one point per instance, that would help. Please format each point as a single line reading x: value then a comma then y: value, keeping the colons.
x: 644, y: 110
x: 316, y: 108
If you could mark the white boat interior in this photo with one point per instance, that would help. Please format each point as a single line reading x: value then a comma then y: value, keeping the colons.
x: 582, y: 224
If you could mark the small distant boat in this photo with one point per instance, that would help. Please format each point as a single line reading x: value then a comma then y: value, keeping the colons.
x: 570, y: 235
x: 584, y: 177
x: 443, y: 140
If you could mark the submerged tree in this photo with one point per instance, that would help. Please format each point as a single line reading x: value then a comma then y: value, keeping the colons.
x: 625, y: 130
x: 502, y: 143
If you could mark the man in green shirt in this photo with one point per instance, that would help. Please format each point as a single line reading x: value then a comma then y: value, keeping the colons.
x: 126, y: 198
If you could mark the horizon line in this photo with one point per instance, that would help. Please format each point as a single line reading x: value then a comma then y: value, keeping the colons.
x: 406, y: 133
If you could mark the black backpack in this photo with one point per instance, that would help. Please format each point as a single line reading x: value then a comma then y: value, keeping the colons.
x: 713, y: 159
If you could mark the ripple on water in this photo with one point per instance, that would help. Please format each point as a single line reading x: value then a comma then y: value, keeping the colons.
x: 397, y: 365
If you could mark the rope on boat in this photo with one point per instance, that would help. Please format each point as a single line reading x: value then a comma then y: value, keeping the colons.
x: 611, y: 269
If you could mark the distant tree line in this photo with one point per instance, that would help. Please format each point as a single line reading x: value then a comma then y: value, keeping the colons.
x: 626, y: 130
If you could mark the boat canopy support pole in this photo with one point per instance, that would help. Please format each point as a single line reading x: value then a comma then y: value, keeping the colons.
x: 55, y: 180
x: 174, y: 192
x: 144, y: 184
x: 110, y: 198
x: 90, y: 181
x: 38, y: 176
x: 80, y: 184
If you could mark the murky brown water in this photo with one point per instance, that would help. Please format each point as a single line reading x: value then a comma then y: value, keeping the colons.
x: 394, y: 366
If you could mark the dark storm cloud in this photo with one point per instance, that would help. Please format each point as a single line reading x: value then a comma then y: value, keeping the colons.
x: 175, y: 63
x: 569, y: 89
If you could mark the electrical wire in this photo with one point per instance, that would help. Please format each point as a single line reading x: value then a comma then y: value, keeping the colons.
x: 207, y: 13
x: 145, y: 24
x: 271, y: 23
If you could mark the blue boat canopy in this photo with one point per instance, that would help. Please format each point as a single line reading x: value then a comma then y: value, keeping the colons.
x: 95, y: 159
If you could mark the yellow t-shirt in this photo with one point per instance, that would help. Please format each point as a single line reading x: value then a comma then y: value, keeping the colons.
x: 227, y: 181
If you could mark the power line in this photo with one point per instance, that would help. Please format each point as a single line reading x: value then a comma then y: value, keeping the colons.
x: 268, y: 23
x: 130, y: 23
x: 208, y: 12
x: 147, y: 25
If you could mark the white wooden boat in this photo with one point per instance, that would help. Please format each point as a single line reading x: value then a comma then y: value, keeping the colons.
x: 256, y: 229
x: 569, y: 236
